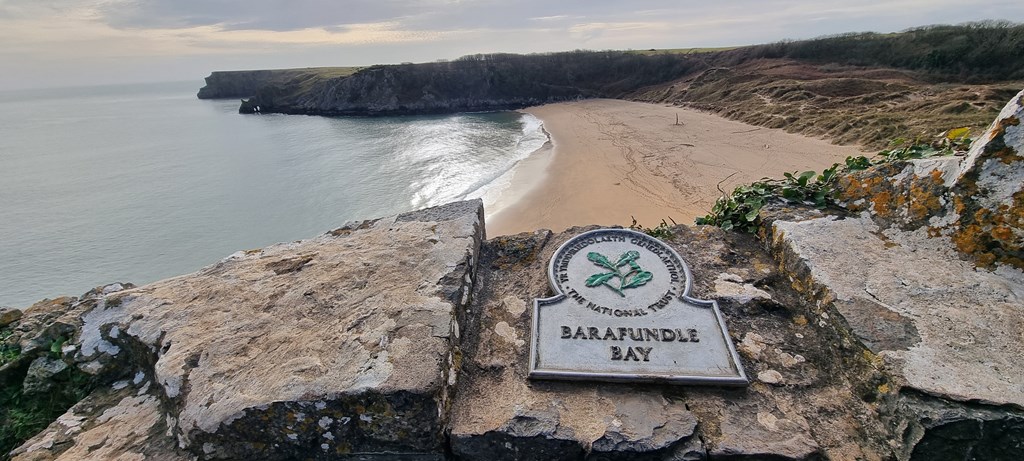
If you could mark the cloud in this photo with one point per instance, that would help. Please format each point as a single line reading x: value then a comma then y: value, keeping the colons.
x: 556, y: 17
x: 592, y: 31
x: 41, y: 36
x: 271, y: 15
x: 296, y: 15
x: 277, y: 15
x: 352, y: 34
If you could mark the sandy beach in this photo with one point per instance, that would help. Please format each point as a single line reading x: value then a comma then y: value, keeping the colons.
x: 612, y: 159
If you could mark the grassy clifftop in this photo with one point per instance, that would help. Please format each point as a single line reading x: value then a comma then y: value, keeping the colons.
x: 245, y: 83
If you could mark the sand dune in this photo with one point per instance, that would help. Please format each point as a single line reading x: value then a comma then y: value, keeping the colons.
x: 614, y: 159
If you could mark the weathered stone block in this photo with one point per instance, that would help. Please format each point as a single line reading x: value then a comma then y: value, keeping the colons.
x: 935, y: 326
x: 811, y: 409
x: 908, y: 194
x: 40, y: 373
x: 123, y: 421
x: 330, y: 347
x: 989, y: 192
x: 977, y: 200
x: 938, y: 324
x: 9, y: 315
x: 938, y: 429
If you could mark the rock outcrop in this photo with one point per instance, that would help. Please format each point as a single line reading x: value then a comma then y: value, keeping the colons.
x: 342, y: 344
x: 9, y: 315
x: 977, y: 201
x: 988, y: 196
x: 475, y: 83
x: 244, y: 83
x: 928, y: 280
x: 872, y: 333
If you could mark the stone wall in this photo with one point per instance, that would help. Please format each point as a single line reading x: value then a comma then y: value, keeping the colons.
x: 869, y: 333
x: 341, y: 344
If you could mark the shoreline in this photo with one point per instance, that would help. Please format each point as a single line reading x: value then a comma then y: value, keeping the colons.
x: 611, y: 161
x: 523, y: 176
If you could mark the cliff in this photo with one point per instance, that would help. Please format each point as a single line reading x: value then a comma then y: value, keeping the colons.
x: 474, y: 83
x: 245, y: 83
x: 889, y: 329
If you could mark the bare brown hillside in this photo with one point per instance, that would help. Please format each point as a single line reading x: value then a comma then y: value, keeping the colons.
x: 845, y: 104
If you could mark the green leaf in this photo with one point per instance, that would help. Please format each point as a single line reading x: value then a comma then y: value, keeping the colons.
x: 599, y: 259
x: 598, y: 279
x: 791, y: 193
x: 627, y: 257
x: 804, y: 177
x: 57, y: 344
x: 857, y: 163
x: 641, y: 278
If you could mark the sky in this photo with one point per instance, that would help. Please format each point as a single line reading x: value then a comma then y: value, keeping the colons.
x: 49, y: 43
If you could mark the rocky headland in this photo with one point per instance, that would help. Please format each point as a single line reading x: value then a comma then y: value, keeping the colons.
x: 469, y: 84
x: 863, y: 89
x: 887, y: 328
x: 245, y: 83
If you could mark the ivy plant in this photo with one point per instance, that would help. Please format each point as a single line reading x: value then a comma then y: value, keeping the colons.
x: 661, y: 231
x: 740, y: 210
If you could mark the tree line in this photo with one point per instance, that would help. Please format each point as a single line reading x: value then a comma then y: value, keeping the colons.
x: 970, y: 53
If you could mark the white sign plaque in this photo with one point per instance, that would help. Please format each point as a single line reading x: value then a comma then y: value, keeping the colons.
x: 622, y: 312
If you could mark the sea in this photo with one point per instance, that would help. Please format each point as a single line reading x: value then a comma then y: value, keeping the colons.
x: 135, y: 183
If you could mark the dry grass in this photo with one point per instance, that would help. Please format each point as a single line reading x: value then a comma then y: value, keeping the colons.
x: 329, y: 72
x: 654, y: 51
x: 847, y: 105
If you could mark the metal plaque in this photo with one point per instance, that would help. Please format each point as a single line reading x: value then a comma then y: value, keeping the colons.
x: 622, y: 312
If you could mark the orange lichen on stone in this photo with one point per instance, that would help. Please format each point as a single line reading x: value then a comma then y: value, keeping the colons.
x: 986, y: 259
x: 924, y: 196
x: 1002, y: 233
x: 866, y: 186
x: 923, y: 203
x: 895, y: 195
x: 992, y: 235
x: 1007, y: 154
x: 959, y: 205
x: 966, y: 239
x: 881, y: 203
